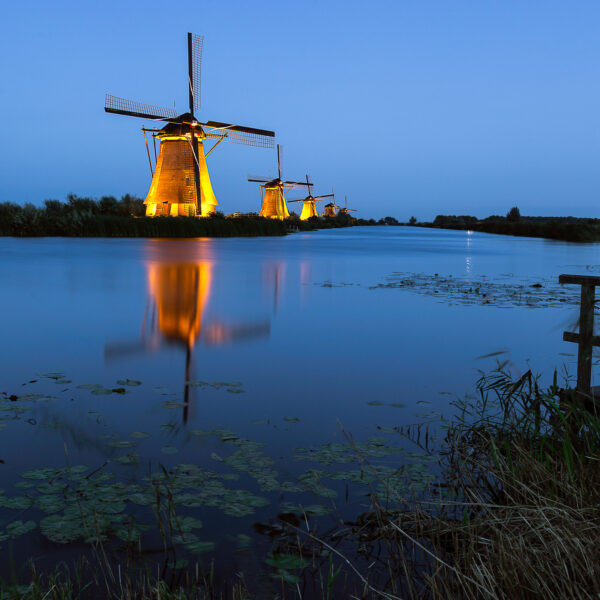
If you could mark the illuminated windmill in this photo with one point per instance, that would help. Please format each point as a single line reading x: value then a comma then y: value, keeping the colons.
x: 330, y: 210
x: 273, y: 203
x: 346, y: 210
x: 309, y: 208
x: 180, y: 182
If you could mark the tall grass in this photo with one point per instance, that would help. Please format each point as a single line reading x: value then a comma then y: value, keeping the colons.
x: 520, y: 513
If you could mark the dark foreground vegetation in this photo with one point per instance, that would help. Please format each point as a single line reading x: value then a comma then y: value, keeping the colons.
x: 109, y: 217
x: 571, y: 229
x: 513, y: 512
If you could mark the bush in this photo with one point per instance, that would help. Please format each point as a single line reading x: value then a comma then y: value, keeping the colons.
x: 513, y: 214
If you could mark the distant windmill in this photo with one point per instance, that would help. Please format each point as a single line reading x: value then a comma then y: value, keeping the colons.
x: 330, y: 209
x: 273, y: 204
x: 180, y: 182
x: 346, y: 210
x: 309, y: 208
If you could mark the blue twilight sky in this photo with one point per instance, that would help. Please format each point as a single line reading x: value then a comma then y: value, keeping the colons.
x: 413, y: 107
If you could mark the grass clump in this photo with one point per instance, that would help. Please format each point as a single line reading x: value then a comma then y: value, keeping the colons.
x: 520, y: 510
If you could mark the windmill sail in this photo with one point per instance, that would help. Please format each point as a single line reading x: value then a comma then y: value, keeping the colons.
x: 131, y: 108
x: 196, y: 44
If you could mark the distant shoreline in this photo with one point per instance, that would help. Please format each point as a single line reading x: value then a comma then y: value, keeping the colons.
x: 568, y: 229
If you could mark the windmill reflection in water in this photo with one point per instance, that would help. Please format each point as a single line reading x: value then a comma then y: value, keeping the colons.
x: 179, y: 293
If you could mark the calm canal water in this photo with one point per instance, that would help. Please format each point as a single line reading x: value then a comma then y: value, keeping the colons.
x: 288, y: 342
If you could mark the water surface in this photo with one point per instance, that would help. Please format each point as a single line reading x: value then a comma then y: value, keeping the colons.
x: 288, y: 342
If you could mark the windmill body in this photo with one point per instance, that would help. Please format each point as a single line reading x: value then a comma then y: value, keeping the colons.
x: 330, y: 210
x: 173, y: 191
x: 273, y: 205
x: 309, y: 209
x: 181, y: 184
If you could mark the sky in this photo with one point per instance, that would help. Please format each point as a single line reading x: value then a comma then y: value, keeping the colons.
x: 408, y: 107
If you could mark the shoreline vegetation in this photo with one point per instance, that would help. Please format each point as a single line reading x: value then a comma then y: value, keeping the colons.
x: 512, y: 512
x: 568, y: 229
x: 109, y: 217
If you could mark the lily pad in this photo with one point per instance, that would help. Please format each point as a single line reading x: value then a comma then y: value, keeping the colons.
x: 129, y: 382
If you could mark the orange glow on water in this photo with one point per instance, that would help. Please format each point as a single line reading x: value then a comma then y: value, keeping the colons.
x: 180, y: 292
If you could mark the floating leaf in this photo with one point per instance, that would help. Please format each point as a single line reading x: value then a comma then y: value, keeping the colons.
x: 169, y: 450
x: 17, y: 528
x: 174, y: 404
x: 122, y: 444
x: 101, y: 391
x: 128, y: 459
x: 200, y: 547
x: 291, y: 419
x: 243, y: 541
x: 129, y: 382
x: 139, y: 434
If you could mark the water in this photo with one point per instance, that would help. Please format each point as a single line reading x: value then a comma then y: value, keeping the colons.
x: 298, y: 344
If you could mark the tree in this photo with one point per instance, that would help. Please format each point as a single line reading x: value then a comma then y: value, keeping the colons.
x: 412, y: 221
x: 514, y: 214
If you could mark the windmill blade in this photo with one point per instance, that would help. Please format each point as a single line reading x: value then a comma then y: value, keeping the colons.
x: 294, y: 185
x: 239, y: 134
x: 279, y: 159
x: 131, y: 108
x: 297, y: 200
x: 195, y: 46
x: 309, y: 185
x: 259, y: 179
x: 324, y: 196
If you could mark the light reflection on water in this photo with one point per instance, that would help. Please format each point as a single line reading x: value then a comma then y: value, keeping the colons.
x: 292, y: 320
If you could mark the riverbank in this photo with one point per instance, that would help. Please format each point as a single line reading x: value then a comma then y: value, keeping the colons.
x: 109, y: 217
x: 82, y: 217
x: 569, y: 229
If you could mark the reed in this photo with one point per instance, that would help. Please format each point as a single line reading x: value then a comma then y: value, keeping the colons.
x: 519, y: 515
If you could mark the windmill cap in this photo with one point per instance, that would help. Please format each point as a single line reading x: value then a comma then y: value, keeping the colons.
x: 175, y: 125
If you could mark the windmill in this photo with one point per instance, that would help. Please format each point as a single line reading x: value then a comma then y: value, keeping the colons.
x: 346, y: 210
x: 309, y: 208
x: 180, y: 182
x: 330, y: 210
x: 273, y: 203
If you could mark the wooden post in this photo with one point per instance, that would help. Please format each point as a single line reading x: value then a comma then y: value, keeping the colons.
x: 585, y: 338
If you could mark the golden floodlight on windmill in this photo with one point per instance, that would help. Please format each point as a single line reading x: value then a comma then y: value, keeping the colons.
x: 180, y: 182
x: 273, y: 203
x: 309, y: 208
